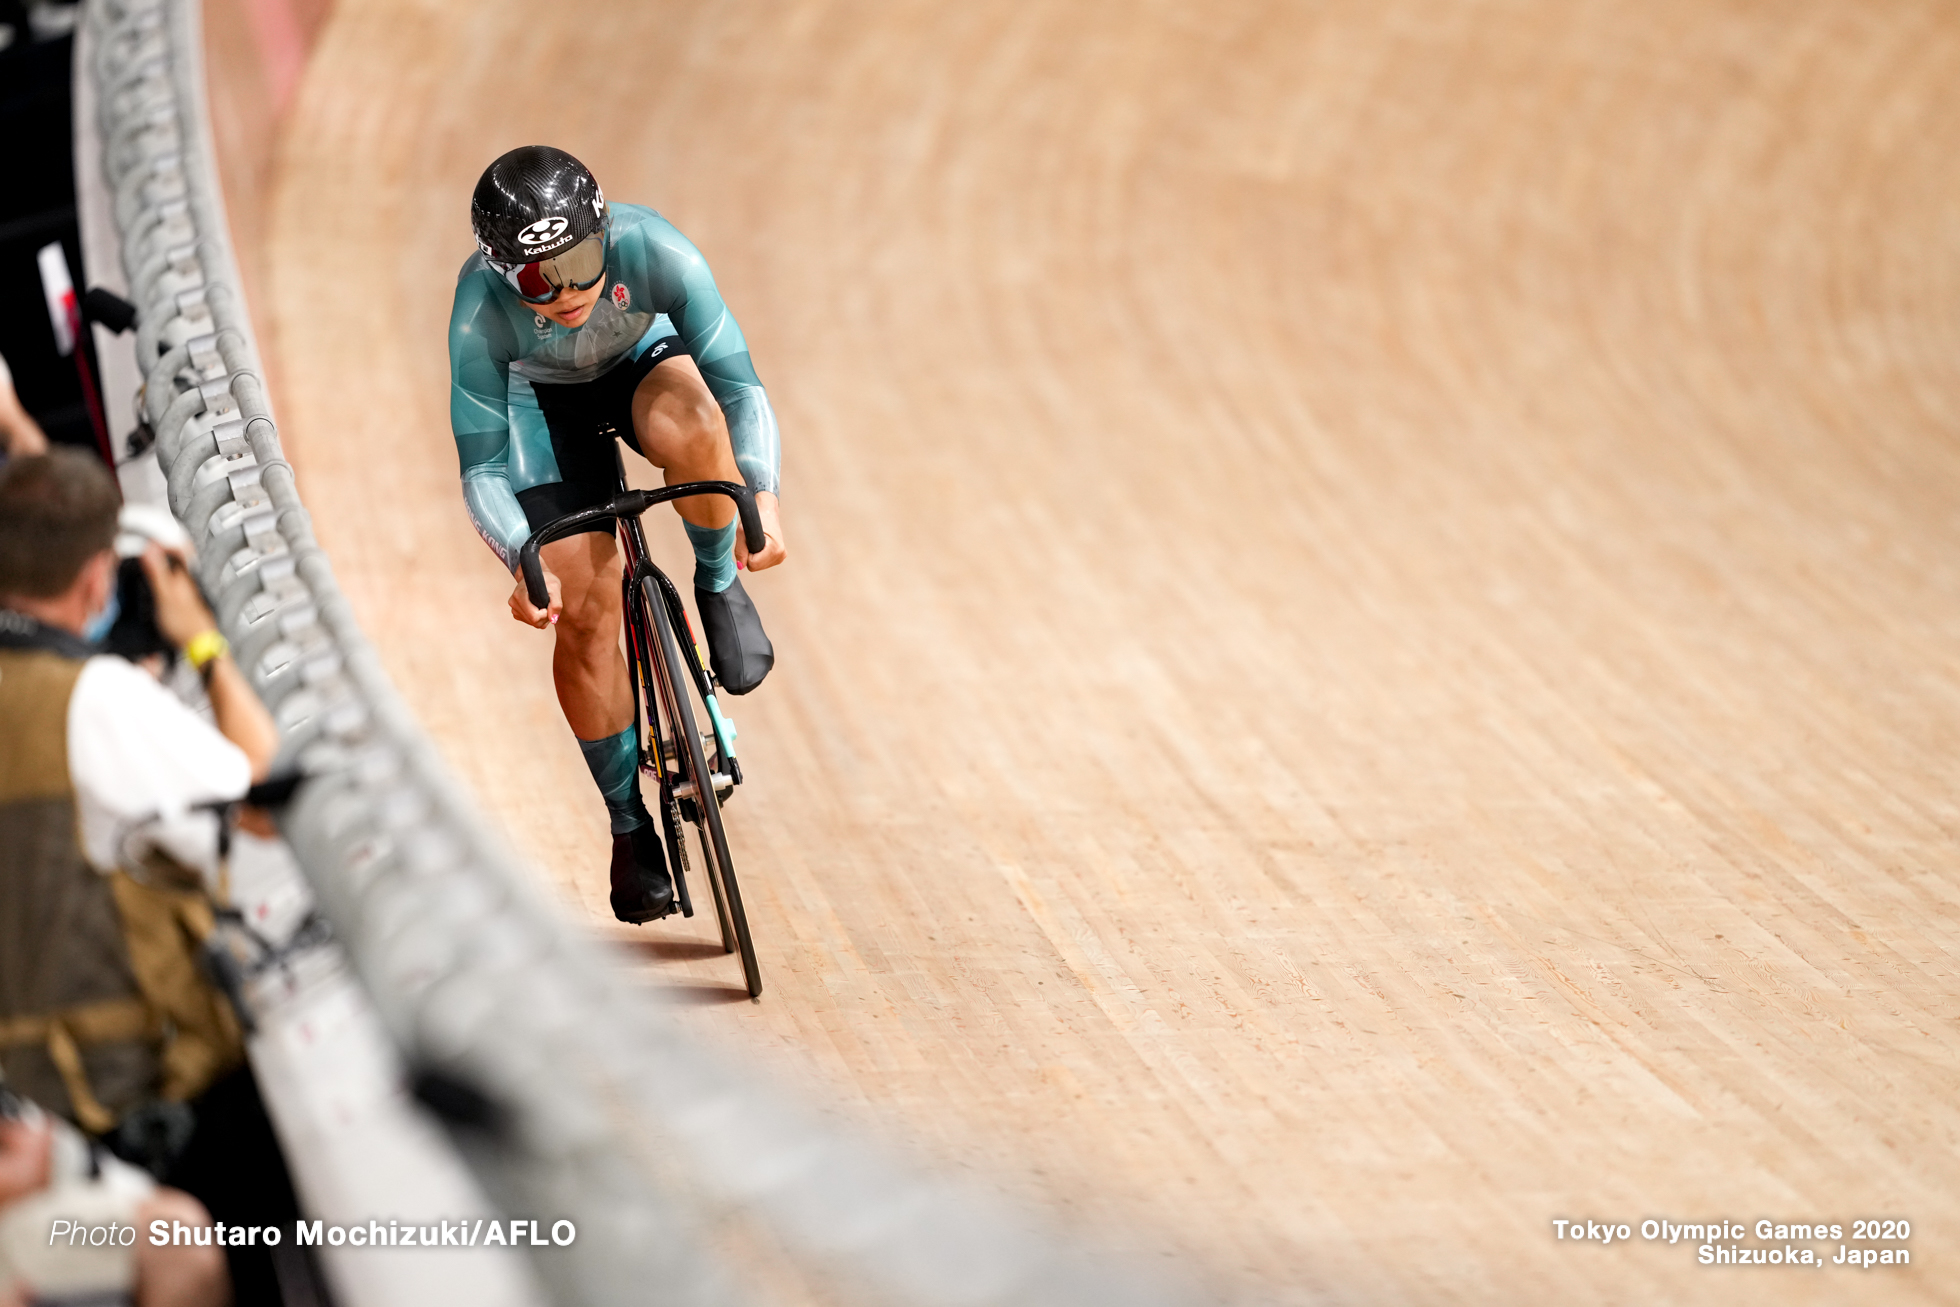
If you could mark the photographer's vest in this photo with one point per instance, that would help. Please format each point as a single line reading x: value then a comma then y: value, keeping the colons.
x: 104, y: 1003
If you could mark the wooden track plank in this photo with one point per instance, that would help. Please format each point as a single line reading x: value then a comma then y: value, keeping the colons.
x: 1372, y: 650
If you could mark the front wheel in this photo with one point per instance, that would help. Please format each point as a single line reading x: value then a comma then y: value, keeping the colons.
x: 706, y: 816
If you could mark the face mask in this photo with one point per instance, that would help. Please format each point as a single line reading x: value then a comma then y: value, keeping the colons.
x: 98, y: 626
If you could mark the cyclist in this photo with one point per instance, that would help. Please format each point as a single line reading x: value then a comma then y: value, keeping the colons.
x: 577, y: 320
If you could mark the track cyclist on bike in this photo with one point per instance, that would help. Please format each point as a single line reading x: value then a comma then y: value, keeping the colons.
x: 575, y: 321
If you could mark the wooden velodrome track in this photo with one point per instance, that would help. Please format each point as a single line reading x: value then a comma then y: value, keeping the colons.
x: 1371, y: 656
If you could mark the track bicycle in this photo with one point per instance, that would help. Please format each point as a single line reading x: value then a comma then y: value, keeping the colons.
x: 670, y: 675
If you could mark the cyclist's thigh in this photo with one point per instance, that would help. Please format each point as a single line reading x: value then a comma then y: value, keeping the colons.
x: 586, y: 563
x: 673, y: 408
x: 581, y: 458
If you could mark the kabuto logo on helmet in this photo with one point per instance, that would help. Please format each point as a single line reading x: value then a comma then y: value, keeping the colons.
x: 543, y: 232
x: 534, y: 203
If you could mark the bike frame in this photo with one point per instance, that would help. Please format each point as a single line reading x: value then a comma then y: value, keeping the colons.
x: 638, y: 570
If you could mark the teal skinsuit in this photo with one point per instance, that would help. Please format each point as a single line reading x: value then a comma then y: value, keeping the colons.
x: 498, y: 346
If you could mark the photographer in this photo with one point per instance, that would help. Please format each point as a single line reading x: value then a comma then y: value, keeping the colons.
x: 108, y: 846
x: 49, y: 1174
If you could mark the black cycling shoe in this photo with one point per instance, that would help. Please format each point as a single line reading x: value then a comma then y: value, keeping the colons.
x: 738, y: 649
x: 641, y: 889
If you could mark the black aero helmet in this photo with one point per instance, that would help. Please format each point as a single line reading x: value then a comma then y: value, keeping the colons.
x: 534, y: 206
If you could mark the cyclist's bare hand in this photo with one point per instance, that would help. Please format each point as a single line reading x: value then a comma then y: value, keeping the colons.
x: 773, y: 549
x: 520, y: 602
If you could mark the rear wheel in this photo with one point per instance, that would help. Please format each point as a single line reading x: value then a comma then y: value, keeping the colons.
x: 698, y: 785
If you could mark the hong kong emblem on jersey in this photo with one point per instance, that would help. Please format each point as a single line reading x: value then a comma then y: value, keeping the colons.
x: 621, y: 296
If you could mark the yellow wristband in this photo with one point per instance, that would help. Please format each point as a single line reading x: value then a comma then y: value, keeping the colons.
x: 205, y: 648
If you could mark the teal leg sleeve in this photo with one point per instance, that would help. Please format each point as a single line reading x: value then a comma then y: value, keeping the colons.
x: 614, y: 771
x: 714, y: 556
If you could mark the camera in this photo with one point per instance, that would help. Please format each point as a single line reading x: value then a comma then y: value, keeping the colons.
x: 134, y: 634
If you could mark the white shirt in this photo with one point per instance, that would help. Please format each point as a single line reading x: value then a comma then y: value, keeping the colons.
x: 140, y: 759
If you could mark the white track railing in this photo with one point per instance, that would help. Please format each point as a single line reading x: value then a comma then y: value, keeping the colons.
x: 671, y: 1164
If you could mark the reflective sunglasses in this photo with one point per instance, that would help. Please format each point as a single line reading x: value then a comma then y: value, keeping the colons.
x: 578, y: 268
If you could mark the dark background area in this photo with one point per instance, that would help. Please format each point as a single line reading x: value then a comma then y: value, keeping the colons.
x: 37, y: 205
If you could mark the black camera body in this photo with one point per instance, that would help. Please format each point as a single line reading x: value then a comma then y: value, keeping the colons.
x: 135, y: 634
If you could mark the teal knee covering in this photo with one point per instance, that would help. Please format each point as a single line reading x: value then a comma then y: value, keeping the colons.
x: 613, y: 763
x: 714, y: 556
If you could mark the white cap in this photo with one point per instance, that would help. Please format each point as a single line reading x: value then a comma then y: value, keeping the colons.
x: 141, y: 525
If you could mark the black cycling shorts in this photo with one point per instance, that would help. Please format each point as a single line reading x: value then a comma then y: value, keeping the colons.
x: 583, y: 417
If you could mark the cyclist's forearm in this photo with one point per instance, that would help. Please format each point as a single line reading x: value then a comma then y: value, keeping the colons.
x: 752, y: 431
x: 723, y: 357
x: 495, y: 512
